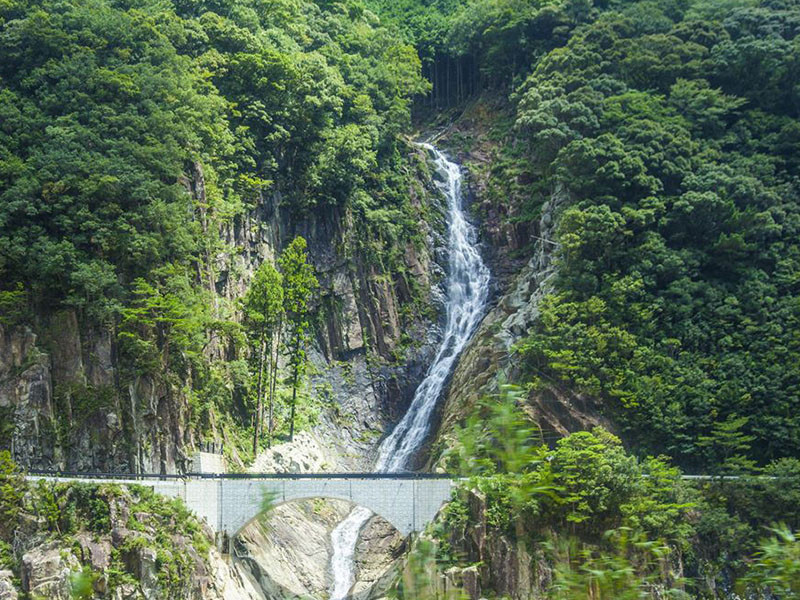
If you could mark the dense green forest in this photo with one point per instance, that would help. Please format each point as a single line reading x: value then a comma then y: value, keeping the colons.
x: 599, y: 522
x: 669, y: 134
x: 671, y: 129
x: 108, y: 107
x: 675, y: 137
x: 136, y: 135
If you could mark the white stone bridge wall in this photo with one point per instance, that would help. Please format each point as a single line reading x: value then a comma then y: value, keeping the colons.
x: 228, y: 504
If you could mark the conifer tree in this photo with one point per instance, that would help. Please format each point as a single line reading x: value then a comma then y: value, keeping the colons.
x: 299, y: 285
x: 263, y: 307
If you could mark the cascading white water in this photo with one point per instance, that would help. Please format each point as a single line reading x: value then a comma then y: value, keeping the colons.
x: 467, y: 290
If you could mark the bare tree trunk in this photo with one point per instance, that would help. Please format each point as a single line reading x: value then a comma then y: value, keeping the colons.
x: 435, y: 88
x: 294, y: 403
x: 458, y: 80
x: 260, y: 395
x: 447, y: 79
x: 273, y: 379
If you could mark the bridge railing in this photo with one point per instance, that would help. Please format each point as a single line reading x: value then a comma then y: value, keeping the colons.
x: 167, y: 476
x: 401, y: 475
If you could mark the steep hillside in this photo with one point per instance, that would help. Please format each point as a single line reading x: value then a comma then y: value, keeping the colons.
x: 216, y: 231
x: 648, y: 186
x: 75, y: 541
x: 153, y: 156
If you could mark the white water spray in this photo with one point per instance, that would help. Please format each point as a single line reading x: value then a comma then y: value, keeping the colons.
x: 467, y: 290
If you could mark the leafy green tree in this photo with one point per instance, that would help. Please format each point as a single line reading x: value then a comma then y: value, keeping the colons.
x: 596, y: 477
x: 263, y: 311
x: 668, y: 166
x: 166, y: 325
x: 727, y: 446
x: 12, y: 493
x: 710, y: 111
x: 81, y: 584
x: 776, y: 566
x: 781, y: 491
x: 632, y: 568
x: 14, y: 306
x: 299, y: 286
x: 497, y: 437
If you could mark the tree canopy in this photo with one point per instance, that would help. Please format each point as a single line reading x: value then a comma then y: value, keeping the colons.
x: 668, y: 133
x: 131, y: 130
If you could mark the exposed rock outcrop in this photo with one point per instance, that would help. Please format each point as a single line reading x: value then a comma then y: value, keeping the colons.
x: 7, y: 589
x: 489, y: 358
x: 113, y: 542
x: 379, y: 550
x: 496, y: 565
x: 46, y: 572
x: 69, y: 401
x: 288, y: 552
x: 27, y: 417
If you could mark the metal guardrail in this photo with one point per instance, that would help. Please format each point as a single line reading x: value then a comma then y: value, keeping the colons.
x: 730, y: 477
x: 179, y: 476
x: 369, y: 476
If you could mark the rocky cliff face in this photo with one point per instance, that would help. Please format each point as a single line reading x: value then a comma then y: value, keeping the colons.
x: 111, y: 542
x: 26, y: 397
x: 52, y: 570
x: 288, y: 551
x: 498, y: 566
x: 379, y: 552
x: 519, y: 286
x: 67, y: 401
x: 489, y: 357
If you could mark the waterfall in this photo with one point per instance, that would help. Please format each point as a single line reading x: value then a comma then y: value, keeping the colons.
x: 467, y: 290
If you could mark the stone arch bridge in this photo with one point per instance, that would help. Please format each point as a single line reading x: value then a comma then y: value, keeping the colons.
x: 229, y: 502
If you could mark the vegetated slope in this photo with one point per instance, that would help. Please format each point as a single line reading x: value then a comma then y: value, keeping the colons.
x: 667, y: 137
x: 152, y: 155
x: 654, y: 147
x: 586, y: 519
x: 676, y: 138
x: 77, y: 541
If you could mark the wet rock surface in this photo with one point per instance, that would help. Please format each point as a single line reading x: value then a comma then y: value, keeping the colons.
x: 287, y: 552
x: 379, y: 549
x: 489, y: 357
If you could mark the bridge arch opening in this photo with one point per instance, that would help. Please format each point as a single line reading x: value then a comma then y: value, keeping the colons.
x: 288, y: 551
x: 407, y: 503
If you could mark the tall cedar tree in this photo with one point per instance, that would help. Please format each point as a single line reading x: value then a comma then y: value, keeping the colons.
x: 299, y: 284
x: 263, y: 308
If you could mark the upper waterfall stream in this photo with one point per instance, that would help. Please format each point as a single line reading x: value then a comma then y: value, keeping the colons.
x: 467, y: 291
